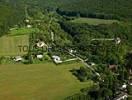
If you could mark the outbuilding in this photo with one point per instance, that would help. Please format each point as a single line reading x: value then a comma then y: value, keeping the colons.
x: 41, y: 44
x: 29, y: 26
x: 56, y: 59
x: 18, y: 58
x: 39, y: 56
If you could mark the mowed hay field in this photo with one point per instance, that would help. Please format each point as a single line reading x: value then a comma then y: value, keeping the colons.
x: 94, y: 21
x: 9, y: 45
x: 39, y: 82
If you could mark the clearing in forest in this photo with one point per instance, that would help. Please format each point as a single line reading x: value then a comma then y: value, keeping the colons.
x: 94, y: 21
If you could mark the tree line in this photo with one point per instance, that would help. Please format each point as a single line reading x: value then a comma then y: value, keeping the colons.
x: 10, y: 16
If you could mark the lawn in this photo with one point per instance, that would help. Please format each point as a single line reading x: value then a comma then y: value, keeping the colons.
x: 39, y: 82
x: 22, y: 31
x: 9, y: 45
x: 94, y: 21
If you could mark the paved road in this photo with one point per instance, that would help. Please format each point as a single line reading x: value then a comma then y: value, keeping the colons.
x: 83, y: 61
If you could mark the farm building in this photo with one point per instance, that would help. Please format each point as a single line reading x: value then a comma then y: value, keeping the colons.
x: 29, y: 26
x: 39, y: 56
x: 41, y: 44
x: 57, y: 59
x: 18, y: 58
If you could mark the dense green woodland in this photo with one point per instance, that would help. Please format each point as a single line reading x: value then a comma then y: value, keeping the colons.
x: 83, y: 34
x: 9, y: 17
x: 92, y: 8
x: 113, y: 8
x: 88, y: 8
x: 106, y: 9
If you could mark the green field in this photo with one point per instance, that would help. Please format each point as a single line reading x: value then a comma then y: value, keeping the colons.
x: 94, y: 21
x: 22, y: 31
x: 9, y: 45
x: 39, y: 82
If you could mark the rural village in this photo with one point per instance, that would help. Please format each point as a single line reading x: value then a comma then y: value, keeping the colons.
x: 85, y: 54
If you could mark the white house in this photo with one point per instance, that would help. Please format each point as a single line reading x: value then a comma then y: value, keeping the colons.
x: 39, y: 56
x: 92, y: 64
x: 29, y: 26
x: 131, y: 84
x: 41, y: 44
x: 118, y: 40
x: 18, y: 58
x: 57, y: 59
x: 72, y: 51
x: 27, y: 20
x: 124, y: 86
